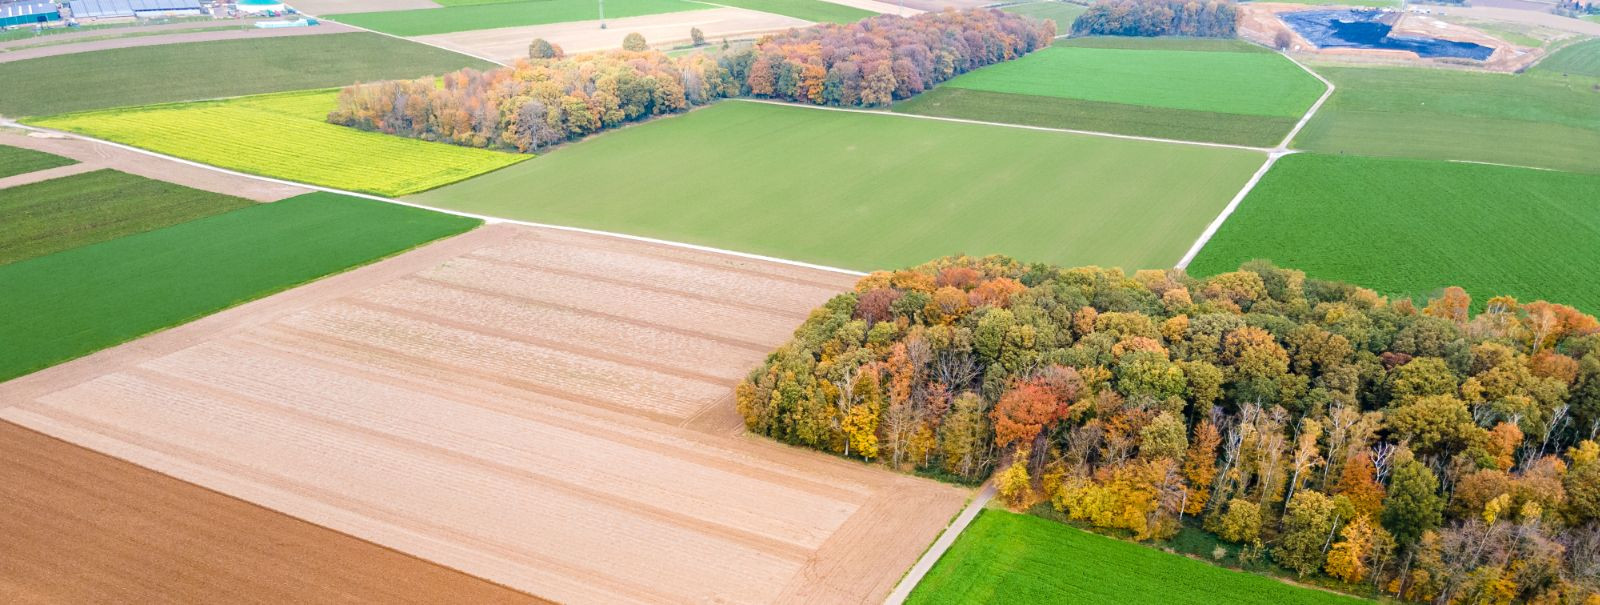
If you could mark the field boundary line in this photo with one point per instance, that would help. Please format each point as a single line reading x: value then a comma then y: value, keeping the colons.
x: 1306, y: 119
x: 902, y: 591
x: 482, y: 217
x: 1272, y: 158
x: 915, y: 116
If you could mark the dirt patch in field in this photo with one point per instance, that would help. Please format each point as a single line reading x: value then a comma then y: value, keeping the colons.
x: 1259, y: 23
x: 180, y: 38
x: 548, y: 410
x: 511, y: 43
x: 887, y: 7
x: 93, y: 155
x: 82, y: 527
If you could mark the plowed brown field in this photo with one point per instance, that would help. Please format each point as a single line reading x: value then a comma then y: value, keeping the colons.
x: 547, y: 410
x: 82, y: 527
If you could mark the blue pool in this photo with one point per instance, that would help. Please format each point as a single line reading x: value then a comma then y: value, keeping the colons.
x: 1367, y: 29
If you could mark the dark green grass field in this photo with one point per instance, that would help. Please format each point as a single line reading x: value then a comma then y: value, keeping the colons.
x: 1221, y: 91
x: 1412, y: 227
x: 73, y: 303
x: 1010, y: 558
x: 16, y: 160
x: 867, y: 190
x: 427, y: 21
x: 207, y: 70
x: 60, y: 214
x: 1581, y: 59
x: 1531, y: 119
x: 1061, y: 12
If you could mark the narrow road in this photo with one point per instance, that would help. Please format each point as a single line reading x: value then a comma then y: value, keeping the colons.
x: 1272, y: 158
x: 925, y: 564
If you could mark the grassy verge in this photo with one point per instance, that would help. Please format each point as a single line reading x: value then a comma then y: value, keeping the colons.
x: 60, y: 214
x: 1010, y: 558
x: 16, y: 160
x: 286, y: 136
x: 73, y: 303
x: 1411, y: 227
x: 869, y: 191
x: 208, y: 70
x: 458, y: 18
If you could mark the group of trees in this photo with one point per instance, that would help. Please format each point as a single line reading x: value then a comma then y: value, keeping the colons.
x: 1208, y: 19
x: 553, y: 98
x: 1432, y: 454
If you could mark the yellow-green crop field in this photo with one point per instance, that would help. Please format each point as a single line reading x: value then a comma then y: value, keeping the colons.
x: 286, y: 136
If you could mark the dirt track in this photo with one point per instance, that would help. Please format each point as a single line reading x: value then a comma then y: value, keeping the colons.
x: 82, y: 527
x: 94, y: 156
x: 510, y: 43
x: 179, y: 38
x: 544, y: 409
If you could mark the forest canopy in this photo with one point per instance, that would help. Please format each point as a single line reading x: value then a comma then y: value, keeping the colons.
x: 1148, y: 18
x: 1427, y: 453
x: 542, y: 102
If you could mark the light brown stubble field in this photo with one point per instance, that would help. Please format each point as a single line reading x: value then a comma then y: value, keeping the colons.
x: 547, y: 410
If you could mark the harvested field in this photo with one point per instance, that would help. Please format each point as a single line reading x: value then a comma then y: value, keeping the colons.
x: 510, y: 43
x: 547, y: 410
x: 462, y: 18
x: 83, y: 527
x: 94, y: 155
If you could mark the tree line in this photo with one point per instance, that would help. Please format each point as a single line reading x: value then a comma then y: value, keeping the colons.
x: 537, y: 103
x: 1209, y: 19
x: 1429, y: 453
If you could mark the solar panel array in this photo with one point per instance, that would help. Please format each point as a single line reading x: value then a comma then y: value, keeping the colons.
x: 127, y: 8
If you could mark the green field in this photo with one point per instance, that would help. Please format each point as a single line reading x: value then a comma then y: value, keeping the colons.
x: 1205, y: 90
x: 1372, y: 3
x: 208, y: 70
x: 868, y: 191
x: 1524, y: 120
x: 60, y: 214
x: 468, y: 17
x: 1061, y: 12
x: 16, y: 160
x: 1010, y: 558
x: 1581, y: 59
x: 286, y: 136
x: 73, y: 303
x: 1411, y: 227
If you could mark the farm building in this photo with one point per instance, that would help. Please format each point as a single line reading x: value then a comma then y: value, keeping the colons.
x: 28, y: 13
x: 112, y: 9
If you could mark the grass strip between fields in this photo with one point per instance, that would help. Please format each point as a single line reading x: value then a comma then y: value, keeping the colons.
x: 72, y: 303
x: 59, y: 214
x: 469, y: 17
x: 1411, y: 227
x: 1005, y: 557
x: 1119, y: 118
x: 16, y: 160
x: 287, y: 136
x: 208, y: 70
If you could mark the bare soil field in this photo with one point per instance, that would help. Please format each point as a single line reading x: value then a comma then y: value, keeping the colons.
x: 93, y: 155
x: 1511, y: 15
x: 939, y: 5
x: 1259, y: 23
x: 887, y: 7
x: 511, y: 43
x: 83, y: 527
x: 178, y: 38
x: 547, y: 410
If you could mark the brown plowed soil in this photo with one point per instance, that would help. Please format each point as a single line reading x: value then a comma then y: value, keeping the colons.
x: 548, y: 410
x: 82, y: 527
